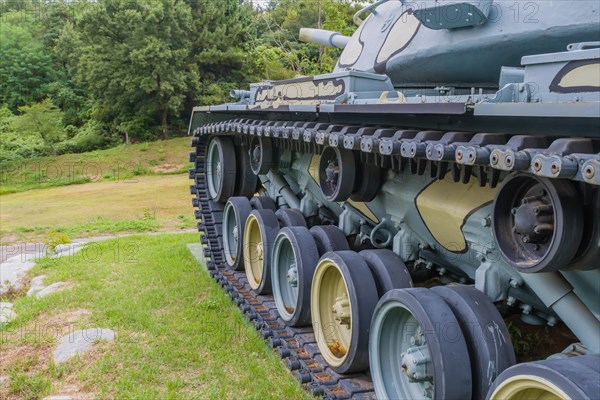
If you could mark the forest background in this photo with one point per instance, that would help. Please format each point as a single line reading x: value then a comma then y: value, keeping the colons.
x: 77, y: 76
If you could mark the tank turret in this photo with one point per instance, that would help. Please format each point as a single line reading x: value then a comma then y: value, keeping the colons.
x: 404, y: 41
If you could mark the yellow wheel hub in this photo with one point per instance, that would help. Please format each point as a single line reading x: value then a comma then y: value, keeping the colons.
x: 528, y: 387
x: 331, y: 312
x: 253, y: 252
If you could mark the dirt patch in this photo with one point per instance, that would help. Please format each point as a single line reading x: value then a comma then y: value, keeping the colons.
x: 6, y: 238
x: 73, y: 391
x: 166, y: 168
x: 28, y: 351
x: 26, y: 358
x: 532, y: 342
x: 69, y: 317
x: 38, y: 337
x: 17, y: 291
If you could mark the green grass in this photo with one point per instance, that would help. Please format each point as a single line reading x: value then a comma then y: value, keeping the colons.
x: 178, y: 335
x: 33, y: 183
x: 116, y: 164
x: 98, y: 227
x: 146, y: 203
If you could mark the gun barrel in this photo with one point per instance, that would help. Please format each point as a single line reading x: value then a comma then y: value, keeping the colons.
x: 323, y: 37
x: 239, y: 94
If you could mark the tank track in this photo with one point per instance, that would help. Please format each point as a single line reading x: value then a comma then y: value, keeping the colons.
x: 296, y: 346
x: 462, y: 155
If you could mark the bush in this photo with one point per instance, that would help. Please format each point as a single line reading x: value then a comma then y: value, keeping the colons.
x: 90, y: 137
x: 139, y: 169
x: 54, y: 238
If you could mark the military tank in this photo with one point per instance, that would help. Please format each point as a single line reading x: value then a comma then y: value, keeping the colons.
x: 379, y: 223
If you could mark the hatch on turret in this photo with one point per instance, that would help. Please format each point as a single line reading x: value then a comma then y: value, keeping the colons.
x: 451, y: 15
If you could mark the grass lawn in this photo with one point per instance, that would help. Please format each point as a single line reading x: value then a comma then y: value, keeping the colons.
x: 178, y: 334
x: 115, y: 164
x: 138, y: 204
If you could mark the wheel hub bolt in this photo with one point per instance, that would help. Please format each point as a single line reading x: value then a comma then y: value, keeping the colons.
x: 543, y: 229
x: 235, y: 233
x: 341, y: 311
x: 416, y: 364
x: 219, y: 168
x: 533, y: 220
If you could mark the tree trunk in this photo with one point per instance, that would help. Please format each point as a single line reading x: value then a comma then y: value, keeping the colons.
x: 165, y: 126
x: 126, y: 137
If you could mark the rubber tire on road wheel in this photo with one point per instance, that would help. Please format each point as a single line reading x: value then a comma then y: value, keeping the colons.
x: 298, y: 240
x: 241, y: 208
x: 226, y: 151
x: 370, y: 178
x: 490, y: 348
x: 447, y: 347
x: 329, y: 238
x: 388, y: 270
x: 246, y: 180
x: 263, y: 203
x: 260, y: 231
x: 568, y: 223
x: 290, y: 217
x: 362, y: 296
x: 346, y: 175
x: 576, y: 377
x: 265, y: 158
x: 588, y: 254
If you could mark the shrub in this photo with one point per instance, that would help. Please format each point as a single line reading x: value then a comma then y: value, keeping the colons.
x: 54, y: 238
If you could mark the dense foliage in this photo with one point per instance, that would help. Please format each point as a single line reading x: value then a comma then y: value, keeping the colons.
x: 82, y: 75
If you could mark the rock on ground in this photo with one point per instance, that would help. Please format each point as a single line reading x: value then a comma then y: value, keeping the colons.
x: 6, y: 312
x: 50, y: 289
x: 68, y: 249
x: 80, y: 342
x: 13, y: 270
x: 37, y: 284
x: 58, y: 397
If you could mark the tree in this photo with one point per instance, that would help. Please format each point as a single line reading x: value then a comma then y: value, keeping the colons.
x: 25, y: 65
x: 283, y: 19
x: 223, y: 39
x: 43, y: 120
x: 134, y: 60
